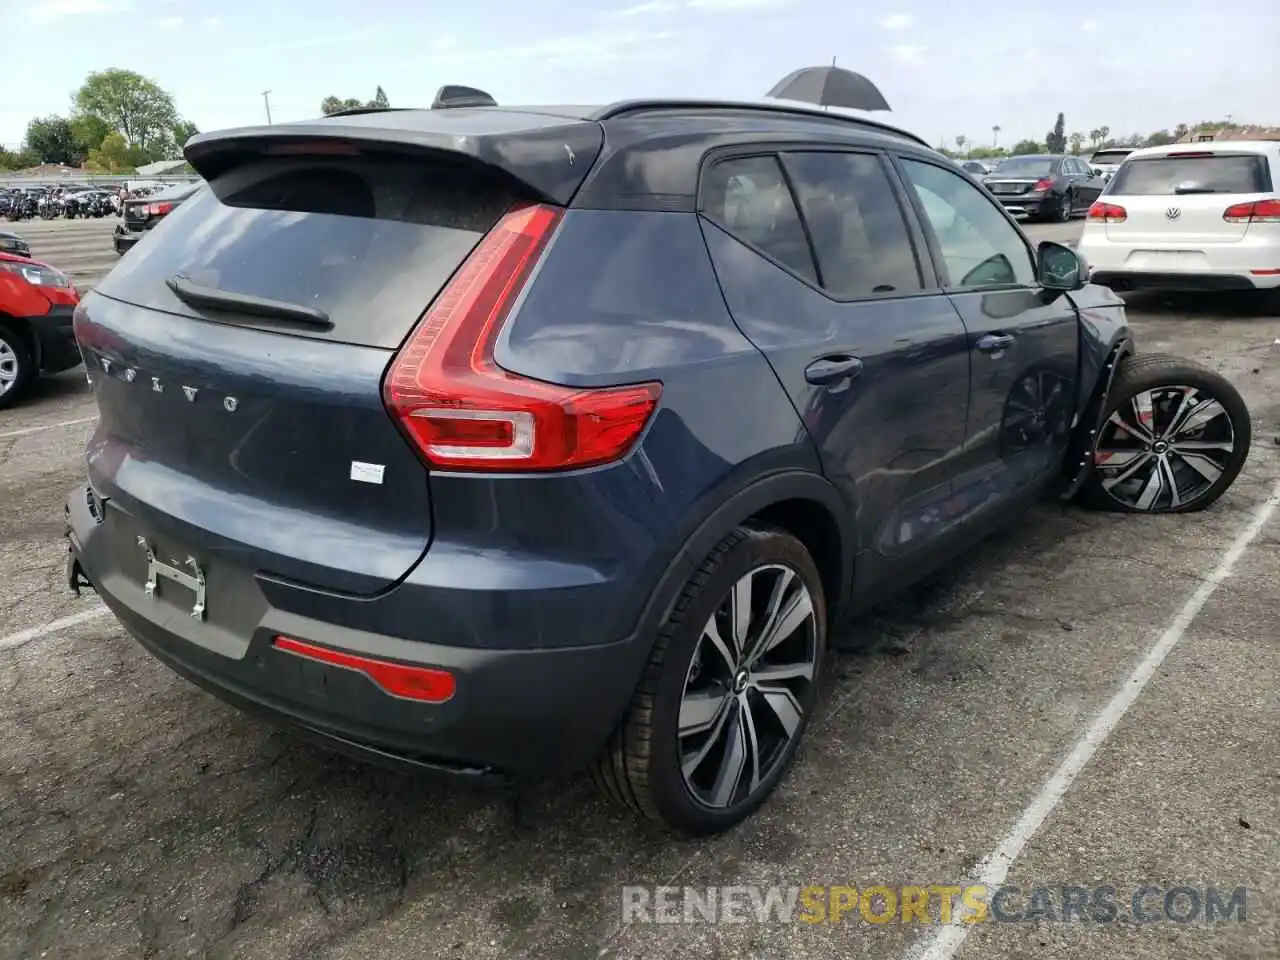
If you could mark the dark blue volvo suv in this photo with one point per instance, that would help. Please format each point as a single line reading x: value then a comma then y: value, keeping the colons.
x: 507, y: 441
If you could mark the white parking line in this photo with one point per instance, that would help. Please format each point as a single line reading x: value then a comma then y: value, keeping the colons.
x: 946, y: 941
x: 48, y: 426
x: 35, y: 633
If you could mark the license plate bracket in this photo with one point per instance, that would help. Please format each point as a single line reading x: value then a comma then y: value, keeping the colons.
x: 189, y: 575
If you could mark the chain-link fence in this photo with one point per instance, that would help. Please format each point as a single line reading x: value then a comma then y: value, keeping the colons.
x: 89, y: 179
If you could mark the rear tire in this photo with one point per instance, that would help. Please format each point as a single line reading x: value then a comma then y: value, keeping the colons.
x: 1068, y: 203
x: 17, y: 367
x: 703, y: 700
x: 1174, y: 438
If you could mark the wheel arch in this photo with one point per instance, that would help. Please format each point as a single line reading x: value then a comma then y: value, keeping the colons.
x: 804, y: 504
x: 1078, y: 464
x: 22, y: 328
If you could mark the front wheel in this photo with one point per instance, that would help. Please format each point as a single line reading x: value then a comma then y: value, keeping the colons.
x: 1175, y: 437
x: 17, y: 369
x: 727, y: 693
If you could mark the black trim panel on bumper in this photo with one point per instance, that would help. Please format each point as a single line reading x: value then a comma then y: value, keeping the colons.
x: 1180, y: 282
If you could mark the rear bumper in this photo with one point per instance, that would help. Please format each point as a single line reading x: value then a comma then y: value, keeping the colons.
x: 516, y: 714
x: 1248, y: 264
x: 1028, y: 206
x: 124, y: 239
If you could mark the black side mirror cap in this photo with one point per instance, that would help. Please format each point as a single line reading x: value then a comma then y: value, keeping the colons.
x: 1059, y: 267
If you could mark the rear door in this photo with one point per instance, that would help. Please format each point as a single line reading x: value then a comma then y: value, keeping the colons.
x: 1023, y: 342
x: 261, y: 443
x: 871, y: 354
x: 1176, y: 201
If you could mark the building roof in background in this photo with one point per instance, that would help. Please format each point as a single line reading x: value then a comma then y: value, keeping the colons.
x: 160, y: 167
x: 1240, y: 133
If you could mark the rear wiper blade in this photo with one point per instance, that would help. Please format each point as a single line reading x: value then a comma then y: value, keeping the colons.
x: 212, y: 298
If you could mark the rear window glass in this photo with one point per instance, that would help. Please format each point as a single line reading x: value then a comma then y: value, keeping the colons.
x: 369, y: 240
x: 1109, y: 156
x: 1166, y: 176
x: 1027, y: 167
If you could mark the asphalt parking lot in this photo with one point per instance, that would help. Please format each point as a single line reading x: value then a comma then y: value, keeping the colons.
x: 141, y: 818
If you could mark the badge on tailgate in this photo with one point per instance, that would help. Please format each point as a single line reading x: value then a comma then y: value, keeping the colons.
x: 193, y: 580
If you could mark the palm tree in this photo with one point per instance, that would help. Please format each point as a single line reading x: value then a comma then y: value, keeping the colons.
x: 995, y: 135
x: 1103, y: 133
x: 960, y: 142
x: 1077, y: 139
x: 1095, y: 137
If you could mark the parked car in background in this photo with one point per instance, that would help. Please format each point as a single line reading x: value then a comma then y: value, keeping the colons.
x: 141, y: 215
x: 1203, y: 216
x: 975, y: 167
x: 36, y: 304
x: 1045, y: 186
x: 14, y: 244
x: 1107, y: 161
x: 500, y: 442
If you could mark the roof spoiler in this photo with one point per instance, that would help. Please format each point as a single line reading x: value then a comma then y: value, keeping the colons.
x: 551, y: 161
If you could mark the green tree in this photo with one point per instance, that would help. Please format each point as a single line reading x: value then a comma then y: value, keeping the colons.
x: 1180, y: 131
x: 17, y: 160
x: 115, y: 155
x: 52, y: 139
x: 137, y: 108
x: 89, y: 132
x: 333, y: 105
x: 1056, y: 141
x: 1077, y: 141
x: 183, y: 131
x: 380, y: 99
x: 1027, y: 146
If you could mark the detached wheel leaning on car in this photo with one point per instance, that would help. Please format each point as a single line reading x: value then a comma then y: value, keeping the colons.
x: 727, y: 693
x: 17, y: 368
x: 1175, y: 438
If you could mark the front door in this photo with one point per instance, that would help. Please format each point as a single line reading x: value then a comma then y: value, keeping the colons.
x: 1024, y: 341
x: 822, y: 272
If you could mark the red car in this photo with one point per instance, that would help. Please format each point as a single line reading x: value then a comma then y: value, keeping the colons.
x: 36, y: 304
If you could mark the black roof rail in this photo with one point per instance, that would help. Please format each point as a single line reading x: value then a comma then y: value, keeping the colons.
x: 357, y: 111
x: 624, y: 107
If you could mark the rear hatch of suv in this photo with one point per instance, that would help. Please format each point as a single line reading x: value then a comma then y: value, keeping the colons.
x: 1183, y: 198
x: 238, y: 361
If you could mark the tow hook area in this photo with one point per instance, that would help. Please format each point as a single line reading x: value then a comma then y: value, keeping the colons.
x: 75, y: 573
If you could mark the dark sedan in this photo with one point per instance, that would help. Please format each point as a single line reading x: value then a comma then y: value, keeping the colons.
x: 1045, y: 186
x: 14, y: 244
x: 142, y: 214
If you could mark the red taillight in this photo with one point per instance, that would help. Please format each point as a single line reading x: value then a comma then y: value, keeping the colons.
x: 1257, y: 211
x: 1108, y: 212
x: 159, y: 209
x: 1045, y: 184
x: 427, y: 684
x: 464, y: 412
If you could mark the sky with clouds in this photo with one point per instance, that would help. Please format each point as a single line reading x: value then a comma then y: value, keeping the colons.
x: 946, y: 67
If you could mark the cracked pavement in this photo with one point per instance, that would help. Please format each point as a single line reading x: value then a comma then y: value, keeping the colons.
x: 141, y: 818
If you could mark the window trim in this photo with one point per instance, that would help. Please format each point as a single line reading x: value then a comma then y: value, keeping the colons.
x: 930, y: 280
x: 931, y: 238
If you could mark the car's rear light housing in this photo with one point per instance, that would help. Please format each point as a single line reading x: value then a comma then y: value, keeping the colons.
x: 464, y: 412
x: 1041, y: 186
x: 1254, y: 211
x: 1108, y: 212
x: 158, y: 209
x: 402, y: 680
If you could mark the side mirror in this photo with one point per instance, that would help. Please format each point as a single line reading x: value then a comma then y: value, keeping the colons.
x: 1059, y: 267
x: 1097, y: 171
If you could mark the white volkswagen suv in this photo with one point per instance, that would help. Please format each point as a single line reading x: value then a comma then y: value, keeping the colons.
x: 1202, y: 216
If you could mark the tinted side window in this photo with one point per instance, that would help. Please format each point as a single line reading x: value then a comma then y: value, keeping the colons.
x: 749, y: 197
x: 979, y: 246
x: 858, y: 231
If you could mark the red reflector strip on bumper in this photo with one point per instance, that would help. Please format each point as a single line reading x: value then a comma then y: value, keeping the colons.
x: 1266, y: 273
x: 425, y: 684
